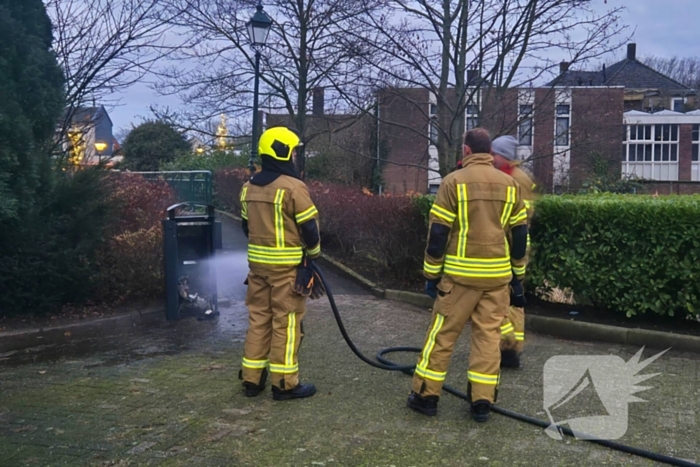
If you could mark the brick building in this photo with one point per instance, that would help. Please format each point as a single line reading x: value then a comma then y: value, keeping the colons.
x: 629, y: 117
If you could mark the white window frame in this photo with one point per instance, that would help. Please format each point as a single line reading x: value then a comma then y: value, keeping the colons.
x: 562, y: 117
x: 526, y: 97
x: 659, y: 149
x: 673, y: 103
x: 525, y: 120
x: 695, y: 155
x: 434, y: 177
x: 562, y: 152
x: 471, y: 119
x: 432, y: 124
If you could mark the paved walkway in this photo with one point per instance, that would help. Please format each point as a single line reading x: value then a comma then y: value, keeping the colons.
x: 168, y: 395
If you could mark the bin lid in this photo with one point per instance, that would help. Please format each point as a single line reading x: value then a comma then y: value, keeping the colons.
x: 210, y: 211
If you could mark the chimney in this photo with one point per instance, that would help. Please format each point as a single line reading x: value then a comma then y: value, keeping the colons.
x: 632, y: 51
x: 318, y: 101
x: 563, y: 67
x: 472, y: 75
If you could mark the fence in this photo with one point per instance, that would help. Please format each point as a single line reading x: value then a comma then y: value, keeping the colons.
x: 193, y: 185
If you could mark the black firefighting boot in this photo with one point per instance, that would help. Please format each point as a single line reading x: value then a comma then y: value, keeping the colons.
x: 301, y: 391
x: 480, y: 410
x: 252, y: 389
x: 426, y: 405
x: 510, y: 359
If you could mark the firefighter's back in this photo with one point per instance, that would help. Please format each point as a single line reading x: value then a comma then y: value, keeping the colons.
x: 274, y: 242
x: 483, y: 198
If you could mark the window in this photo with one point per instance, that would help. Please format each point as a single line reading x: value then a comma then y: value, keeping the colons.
x: 525, y: 125
x: 433, y: 188
x: 433, y: 126
x: 562, y: 125
x: 678, y: 104
x: 651, y: 152
x: 433, y: 131
x: 472, y: 116
x: 695, y: 164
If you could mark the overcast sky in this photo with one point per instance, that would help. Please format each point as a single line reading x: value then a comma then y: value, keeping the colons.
x: 663, y: 28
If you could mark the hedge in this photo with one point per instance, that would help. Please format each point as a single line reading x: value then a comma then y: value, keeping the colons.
x: 630, y: 254
x: 627, y: 253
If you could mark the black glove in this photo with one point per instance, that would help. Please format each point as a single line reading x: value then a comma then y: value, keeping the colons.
x: 431, y: 287
x: 517, y: 293
x: 303, y: 285
x: 318, y: 290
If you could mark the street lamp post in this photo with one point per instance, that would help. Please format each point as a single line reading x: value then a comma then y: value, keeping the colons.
x: 258, y: 30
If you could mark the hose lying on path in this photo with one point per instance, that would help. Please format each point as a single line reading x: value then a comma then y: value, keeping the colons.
x: 383, y: 363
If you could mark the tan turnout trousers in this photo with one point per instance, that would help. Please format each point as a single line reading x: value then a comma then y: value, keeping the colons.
x: 275, y: 314
x: 455, y: 305
x: 513, y: 330
x: 513, y: 327
x: 274, y: 213
x: 475, y: 209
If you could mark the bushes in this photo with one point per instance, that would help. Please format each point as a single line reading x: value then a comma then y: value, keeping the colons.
x: 631, y: 254
x: 48, y: 257
x: 227, y: 189
x: 388, y: 228
x: 131, y: 262
x: 211, y: 160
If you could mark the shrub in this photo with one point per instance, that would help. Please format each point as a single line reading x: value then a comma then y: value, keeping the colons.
x: 152, y: 144
x: 131, y: 261
x: 140, y: 203
x: 227, y: 189
x: 48, y: 259
x: 388, y: 228
x: 132, y: 266
x: 212, y: 160
x: 627, y: 253
x: 424, y: 203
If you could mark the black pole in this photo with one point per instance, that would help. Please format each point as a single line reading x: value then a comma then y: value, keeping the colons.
x: 254, y: 147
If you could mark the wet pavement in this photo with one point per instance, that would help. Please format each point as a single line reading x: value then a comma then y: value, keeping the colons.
x: 167, y: 394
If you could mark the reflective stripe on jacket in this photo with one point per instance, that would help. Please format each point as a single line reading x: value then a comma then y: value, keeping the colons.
x: 274, y: 213
x: 480, y: 205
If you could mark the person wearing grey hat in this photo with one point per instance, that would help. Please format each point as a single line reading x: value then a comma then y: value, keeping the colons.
x: 504, y: 151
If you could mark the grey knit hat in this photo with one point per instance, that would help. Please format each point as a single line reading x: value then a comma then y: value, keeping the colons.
x: 505, y: 146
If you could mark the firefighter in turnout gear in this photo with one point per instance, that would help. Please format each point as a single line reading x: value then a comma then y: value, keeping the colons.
x: 476, y: 250
x: 513, y: 328
x: 281, y: 223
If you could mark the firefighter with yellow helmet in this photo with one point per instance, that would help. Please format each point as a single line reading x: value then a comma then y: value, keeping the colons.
x: 281, y: 223
x: 475, y: 254
x: 505, y: 159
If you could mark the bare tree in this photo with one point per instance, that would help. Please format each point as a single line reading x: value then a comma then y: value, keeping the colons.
x: 105, y: 46
x: 305, y: 51
x: 685, y: 70
x: 431, y: 44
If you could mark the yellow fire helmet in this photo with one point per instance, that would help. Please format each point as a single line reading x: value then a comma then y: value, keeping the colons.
x: 279, y: 143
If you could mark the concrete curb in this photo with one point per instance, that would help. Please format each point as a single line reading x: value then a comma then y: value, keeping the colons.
x: 229, y: 215
x: 22, y: 338
x: 354, y: 276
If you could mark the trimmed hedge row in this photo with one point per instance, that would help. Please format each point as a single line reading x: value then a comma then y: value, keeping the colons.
x: 627, y: 253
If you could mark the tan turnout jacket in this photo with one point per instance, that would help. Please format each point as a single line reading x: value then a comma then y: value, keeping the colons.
x: 480, y: 205
x: 274, y: 213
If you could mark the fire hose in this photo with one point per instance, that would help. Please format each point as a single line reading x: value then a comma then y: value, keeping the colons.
x: 384, y: 363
